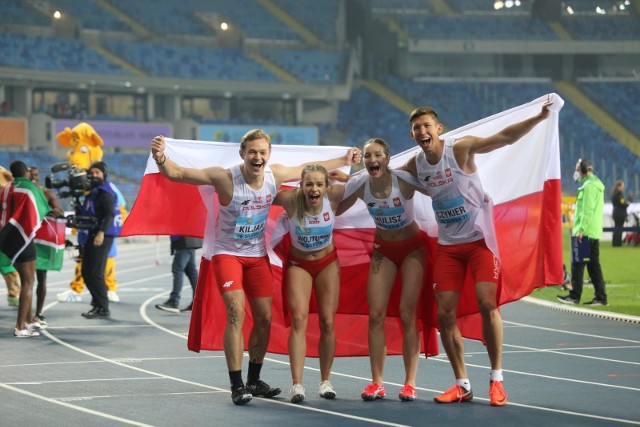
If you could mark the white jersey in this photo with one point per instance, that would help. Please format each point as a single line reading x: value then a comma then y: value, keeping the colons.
x: 391, y: 213
x: 317, y: 230
x: 240, y: 226
x: 457, y: 198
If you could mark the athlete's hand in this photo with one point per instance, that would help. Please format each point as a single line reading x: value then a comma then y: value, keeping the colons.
x: 157, y: 148
x: 338, y: 175
x: 353, y: 156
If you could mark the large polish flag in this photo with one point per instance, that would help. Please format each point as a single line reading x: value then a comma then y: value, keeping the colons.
x: 523, y: 180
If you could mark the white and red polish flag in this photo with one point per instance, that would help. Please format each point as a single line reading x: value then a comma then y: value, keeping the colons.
x: 523, y: 179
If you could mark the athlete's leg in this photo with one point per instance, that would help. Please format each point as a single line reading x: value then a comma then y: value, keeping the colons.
x: 412, y: 278
x: 449, y: 333
x: 382, y: 273
x: 299, y: 285
x: 327, y: 286
x: 233, y: 339
x: 491, y: 322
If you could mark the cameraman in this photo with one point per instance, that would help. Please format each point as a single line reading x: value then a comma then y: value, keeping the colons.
x: 96, y: 240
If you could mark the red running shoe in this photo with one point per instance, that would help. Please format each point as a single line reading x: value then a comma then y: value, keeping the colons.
x: 497, y: 395
x: 373, y: 392
x: 408, y: 393
x: 455, y: 393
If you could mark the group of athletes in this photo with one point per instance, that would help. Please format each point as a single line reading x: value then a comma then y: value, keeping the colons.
x: 444, y: 169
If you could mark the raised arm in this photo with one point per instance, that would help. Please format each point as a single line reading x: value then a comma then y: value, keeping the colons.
x: 214, y: 175
x: 291, y: 173
x: 467, y: 146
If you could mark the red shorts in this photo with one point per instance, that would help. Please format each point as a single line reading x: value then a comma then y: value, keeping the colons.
x: 313, y: 267
x: 398, y: 251
x: 253, y: 275
x: 451, y: 264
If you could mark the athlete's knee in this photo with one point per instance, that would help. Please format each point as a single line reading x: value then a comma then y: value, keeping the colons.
x: 376, y: 319
x: 408, y: 317
x: 299, y: 321
x: 487, y: 306
x: 446, y: 317
x: 235, y: 313
x: 262, y: 319
x: 326, y: 326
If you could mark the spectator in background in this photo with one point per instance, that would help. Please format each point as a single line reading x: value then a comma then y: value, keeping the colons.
x: 41, y: 270
x: 183, y: 250
x: 620, y: 205
x: 587, y: 222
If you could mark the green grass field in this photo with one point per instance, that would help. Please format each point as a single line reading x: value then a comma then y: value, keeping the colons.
x: 621, y: 270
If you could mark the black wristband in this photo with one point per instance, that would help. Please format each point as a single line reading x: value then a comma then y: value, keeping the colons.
x: 164, y: 159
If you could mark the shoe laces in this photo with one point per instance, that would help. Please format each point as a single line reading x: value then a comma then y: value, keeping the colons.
x: 460, y: 392
x: 408, y: 390
x: 373, y: 388
x: 297, y: 389
x: 496, y: 388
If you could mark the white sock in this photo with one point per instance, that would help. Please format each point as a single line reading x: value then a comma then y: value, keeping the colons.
x: 464, y: 382
x: 496, y: 375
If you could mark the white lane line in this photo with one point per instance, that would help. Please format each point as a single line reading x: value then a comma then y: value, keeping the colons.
x: 74, y: 407
x: 145, y: 304
x: 530, y: 374
x: 144, y: 315
x: 601, y: 314
x: 559, y: 411
x: 562, y: 331
x: 563, y: 353
x: 191, y: 359
x: 345, y: 415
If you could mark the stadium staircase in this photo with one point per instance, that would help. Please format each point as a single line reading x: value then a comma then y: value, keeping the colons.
x: 273, y: 68
x: 598, y: 115
x: 388, y: 95
x: 137, y: 27
x: 440, y: 7
x: 118, y: 60
x: 308, y: 37
x: 560, y: 31
x: 398, y: 30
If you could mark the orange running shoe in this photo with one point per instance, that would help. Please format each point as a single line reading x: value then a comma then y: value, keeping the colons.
x: 408, y: 393
x: 497, y: 395
x: 455, y: 393
x: 373, y: 391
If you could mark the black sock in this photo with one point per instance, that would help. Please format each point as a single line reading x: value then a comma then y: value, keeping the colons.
x: 254, y: 372
x: 236, y: 379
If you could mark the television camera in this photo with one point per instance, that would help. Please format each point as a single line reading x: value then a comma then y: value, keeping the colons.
x: 75, y: 185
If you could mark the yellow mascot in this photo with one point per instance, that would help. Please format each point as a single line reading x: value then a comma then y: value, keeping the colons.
x: 85, y: 147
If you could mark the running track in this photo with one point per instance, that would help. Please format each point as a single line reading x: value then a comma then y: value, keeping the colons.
x: 562, y: 367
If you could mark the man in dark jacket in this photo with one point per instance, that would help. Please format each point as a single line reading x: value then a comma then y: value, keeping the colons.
x: 620, y: 206
x: 96, y: 241
x: 183, y: 250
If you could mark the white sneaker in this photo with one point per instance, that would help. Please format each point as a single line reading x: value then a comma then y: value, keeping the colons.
x: 25, y: 333
x: 113, y: 297
x: 36, y: 326
x: 297, y: 393
x: 326, y: 390
x: 69, y: 296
